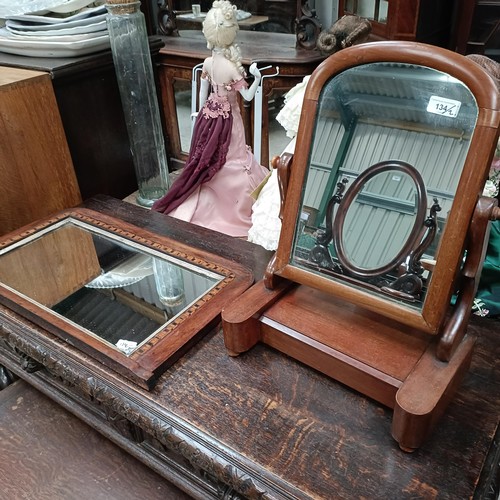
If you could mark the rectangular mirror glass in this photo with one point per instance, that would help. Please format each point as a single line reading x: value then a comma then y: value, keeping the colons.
x: 119, y: 293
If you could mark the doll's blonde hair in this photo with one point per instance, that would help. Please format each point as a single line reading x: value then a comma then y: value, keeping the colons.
x: 220, y: 28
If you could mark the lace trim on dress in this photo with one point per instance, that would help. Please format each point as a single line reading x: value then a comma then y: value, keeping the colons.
x: 232, y: 85
x: 216, y: 105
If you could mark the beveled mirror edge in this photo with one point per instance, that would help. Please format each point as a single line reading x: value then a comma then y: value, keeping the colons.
x: 145, y: 368
x: 472, y: 180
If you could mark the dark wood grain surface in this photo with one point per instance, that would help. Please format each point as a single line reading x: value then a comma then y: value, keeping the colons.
x: 47, y: 453
x: 312, y: 432
x: 251, y: 256
x: 324, y: 438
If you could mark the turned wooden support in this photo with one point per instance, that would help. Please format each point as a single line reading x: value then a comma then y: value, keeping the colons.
x: 283, y: 164
x: 454, y: 330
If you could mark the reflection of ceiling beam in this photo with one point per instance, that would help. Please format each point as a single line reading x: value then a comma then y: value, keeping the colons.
x: 402, y: 110
x: 386, y: 202
x: 432, y: 192
x: 412, y: 126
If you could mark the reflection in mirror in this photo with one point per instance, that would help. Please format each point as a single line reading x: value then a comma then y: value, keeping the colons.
x: 115, y: 291
x: 169, y: 283
x: 374, y: 10
x: 256, y: 15
x: 182, y: 92
x: 388, y: 200
x: 417, y: 122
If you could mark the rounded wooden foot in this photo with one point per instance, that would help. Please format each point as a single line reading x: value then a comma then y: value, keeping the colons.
x: 406, y: 449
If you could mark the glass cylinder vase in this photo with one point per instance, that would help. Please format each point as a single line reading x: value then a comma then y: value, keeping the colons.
x: 169, y: 283
x: 134, y: 72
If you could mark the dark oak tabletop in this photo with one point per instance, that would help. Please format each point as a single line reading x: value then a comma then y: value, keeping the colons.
x: 275, y: 48
x: 272, y: 428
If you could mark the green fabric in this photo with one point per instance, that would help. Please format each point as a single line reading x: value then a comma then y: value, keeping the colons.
x: 488, y: 293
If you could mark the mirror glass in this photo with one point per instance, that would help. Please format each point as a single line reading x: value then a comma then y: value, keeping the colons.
x: 370, y: 114
x: 182, y: 91
x: 256, y: 15
x: 374, y: 10
x: 387, y: 203
x: 116, y: 291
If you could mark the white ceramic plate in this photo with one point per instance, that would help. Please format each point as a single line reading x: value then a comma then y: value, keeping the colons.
x: 87, y: 28
x: 54, y: 27
x: 70, y: 6
x: 21, y: 36
x: 54, y: 49
x: 38, y: 19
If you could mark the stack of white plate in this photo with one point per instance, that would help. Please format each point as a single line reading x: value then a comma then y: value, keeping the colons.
x: 50, y: 34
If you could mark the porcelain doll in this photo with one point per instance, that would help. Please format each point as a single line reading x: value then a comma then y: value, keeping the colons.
x: 214, y: 190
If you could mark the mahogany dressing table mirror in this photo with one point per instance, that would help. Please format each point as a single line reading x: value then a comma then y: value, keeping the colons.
x: 384, y: 229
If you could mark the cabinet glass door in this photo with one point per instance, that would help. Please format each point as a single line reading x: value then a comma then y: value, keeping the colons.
x: 374, y: 10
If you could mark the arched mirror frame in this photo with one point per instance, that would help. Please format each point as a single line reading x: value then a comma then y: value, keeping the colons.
x: 470, y: 186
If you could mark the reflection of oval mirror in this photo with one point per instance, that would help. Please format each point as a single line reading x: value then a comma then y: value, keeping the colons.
x: 379, y: 219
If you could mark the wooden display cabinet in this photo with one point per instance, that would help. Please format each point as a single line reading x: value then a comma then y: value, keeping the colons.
x: 176, y: 61
x: 94, y: 129
x: 478, y: 28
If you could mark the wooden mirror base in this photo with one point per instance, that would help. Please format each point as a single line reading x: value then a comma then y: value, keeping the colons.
x: 382, y: 359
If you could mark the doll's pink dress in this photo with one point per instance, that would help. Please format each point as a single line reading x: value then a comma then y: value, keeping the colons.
x: 221, y: 172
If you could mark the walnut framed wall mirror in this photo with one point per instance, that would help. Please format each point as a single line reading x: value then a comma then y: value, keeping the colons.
x: 384, y: 229
x: 133, y: 300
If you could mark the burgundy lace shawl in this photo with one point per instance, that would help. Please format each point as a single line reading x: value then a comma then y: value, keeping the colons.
x: 209, y: 147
